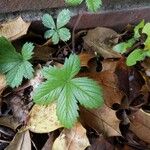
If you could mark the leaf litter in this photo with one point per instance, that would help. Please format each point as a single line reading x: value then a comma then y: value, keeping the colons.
x: 122, y: 123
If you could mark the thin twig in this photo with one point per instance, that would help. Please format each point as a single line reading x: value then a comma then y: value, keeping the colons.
x: 73, y: 32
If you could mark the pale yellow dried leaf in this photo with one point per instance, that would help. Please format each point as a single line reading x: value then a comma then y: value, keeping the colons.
x: 72, y: 139
x: 43, y: 119
x: 2, y: 83
x: 14, y: 29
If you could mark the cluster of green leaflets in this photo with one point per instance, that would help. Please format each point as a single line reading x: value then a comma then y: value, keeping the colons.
x: 138, y: 54
x: 93, y: 5
x: 67, y: 91
x: 15, y: 65
x: 60, y: 84
x: 57, y: 31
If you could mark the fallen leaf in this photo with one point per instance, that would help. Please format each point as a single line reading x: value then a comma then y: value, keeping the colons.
x: 102, y: 120
x: 21, y: 141
x: 85, y: 58
x: 43, y: 52
x: 14, y: 29
x: 101, y: 40
x: 2, y: 83
x: 43, y: 119
x: 101, y: 144
x: 72, y: 139
x: 140, y: 125
x: 9, y: 122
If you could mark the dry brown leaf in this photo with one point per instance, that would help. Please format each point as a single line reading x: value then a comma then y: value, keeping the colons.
x: 9, y: 122
x: 140, y: 125
x: 85, y: 58
x: 21, y: 141
x: 2, y: 83
x: 43, y: 52
x: 14, y: 29
x: 103, y: 120
x: 101, y: 40
x: 43, y: 119
x: 72, y: 139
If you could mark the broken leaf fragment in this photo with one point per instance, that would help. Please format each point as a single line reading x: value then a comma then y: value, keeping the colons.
x: 72, y: 139
x: 43, y: 119
x: 14, y: 29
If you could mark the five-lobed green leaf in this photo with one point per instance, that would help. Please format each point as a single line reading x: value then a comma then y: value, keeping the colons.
x: 15, y: 65
x: 57, y: 31
x: 68, y: 91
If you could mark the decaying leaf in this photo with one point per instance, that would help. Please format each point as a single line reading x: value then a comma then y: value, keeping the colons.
x: 140, y: 125
x: 72, y: 139
x: 14, y: 29
x: 43, y: 119
x: 43, y: 52
x: 2, y: 83
x: 103, y: 120
x: 101, y: 40
x: 21, y: 141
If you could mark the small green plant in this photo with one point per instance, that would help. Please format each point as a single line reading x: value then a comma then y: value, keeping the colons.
x: 93, y: 5
x: 137, y: 54
x: 15, y: 65
x: 67, y: 91
x: 57, y: 31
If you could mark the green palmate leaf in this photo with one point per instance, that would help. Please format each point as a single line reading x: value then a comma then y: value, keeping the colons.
x: 136, y: 55
x: 49, y: 33
x: 123, y: 46
x: 67, y: 92
x: 63, y: 18
x: 57, y: 32
x: 93, y: 5
x: 48, y: 21
x: 73, y: 2
x: 27, y: 51
x: 71, y: 66
x: 14, y: 64
x: 55, y: 38
x: 137, y: 28
x: 146, y: 30
x: 67, y: 108
x: 87, y: 92
x: 64, y: 34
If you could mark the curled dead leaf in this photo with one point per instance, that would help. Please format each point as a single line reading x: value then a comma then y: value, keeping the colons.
x: 72, y: 139
x: 140, y: 125
x: 43, y: 119
x: 101, y: 40
x: 103, y: 120
x: 21, y: 141
x: 14, y: 29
